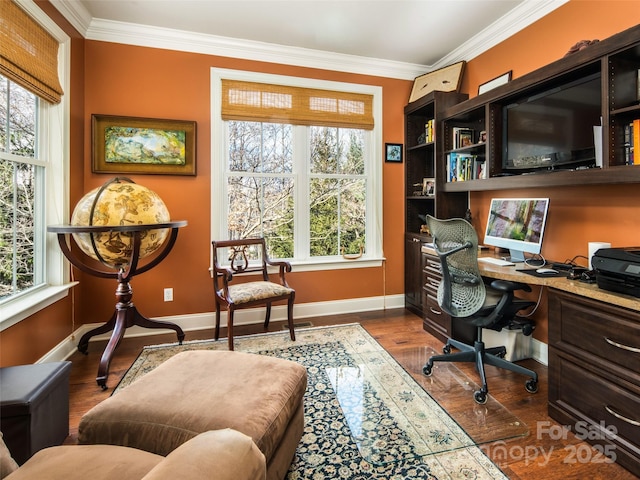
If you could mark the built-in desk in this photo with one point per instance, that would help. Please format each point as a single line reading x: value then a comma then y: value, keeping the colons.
x: 594, y: 362
x: 589, y: 290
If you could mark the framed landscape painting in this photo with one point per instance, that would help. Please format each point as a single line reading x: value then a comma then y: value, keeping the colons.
x: 143, y: 145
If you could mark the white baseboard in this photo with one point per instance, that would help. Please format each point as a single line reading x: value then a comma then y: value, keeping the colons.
x: 201, y: 321
x: 540, y: 351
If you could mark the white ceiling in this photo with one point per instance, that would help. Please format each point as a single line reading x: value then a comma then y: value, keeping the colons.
x: 421, y: 34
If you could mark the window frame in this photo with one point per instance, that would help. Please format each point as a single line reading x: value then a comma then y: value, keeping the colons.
x: 219, y: 147
x: 54, y: 142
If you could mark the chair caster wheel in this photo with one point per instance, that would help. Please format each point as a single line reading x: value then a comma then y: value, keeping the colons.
x: 446, y: 349
x: 480, y: 397
x: 531, y: 385
x: 427, y: 370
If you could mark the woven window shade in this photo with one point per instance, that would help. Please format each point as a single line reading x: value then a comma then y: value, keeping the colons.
x: 261, y: 102
x: 28, y: 54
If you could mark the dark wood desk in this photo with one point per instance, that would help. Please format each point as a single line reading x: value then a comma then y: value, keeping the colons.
x: 589, y: 290
x: 594, y: 346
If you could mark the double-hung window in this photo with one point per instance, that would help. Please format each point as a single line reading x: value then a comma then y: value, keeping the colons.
x: 294, y: 161
x: 33, y: 167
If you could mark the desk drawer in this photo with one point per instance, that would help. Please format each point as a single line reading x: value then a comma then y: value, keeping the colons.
x: 593, y: 328
x: 435, y: 313
x: 433, y: 267
x: 610, y: 403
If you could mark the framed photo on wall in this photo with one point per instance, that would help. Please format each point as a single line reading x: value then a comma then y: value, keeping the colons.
x: 142, y: 145
x: 393, y: 152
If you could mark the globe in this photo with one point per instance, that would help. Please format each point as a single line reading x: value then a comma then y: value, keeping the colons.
x: 119, y: 202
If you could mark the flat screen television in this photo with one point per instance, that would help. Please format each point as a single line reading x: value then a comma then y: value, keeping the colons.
x: 553, y: 130
x: 517, y: 224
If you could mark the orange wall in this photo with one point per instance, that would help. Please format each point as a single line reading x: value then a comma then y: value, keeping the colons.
x: 124, y: 80
x: 146, y: 82
x: 550, y: 38
x: 578, y: 214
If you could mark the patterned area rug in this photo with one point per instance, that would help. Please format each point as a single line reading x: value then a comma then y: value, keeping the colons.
x: 365, y: 417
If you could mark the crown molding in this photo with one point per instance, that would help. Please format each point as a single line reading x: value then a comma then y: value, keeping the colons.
x: 525, y: 14
x: 75, y: 13
x: 98, y: 29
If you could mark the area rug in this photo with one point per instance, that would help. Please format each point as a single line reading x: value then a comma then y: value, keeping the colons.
x: 365, y: 417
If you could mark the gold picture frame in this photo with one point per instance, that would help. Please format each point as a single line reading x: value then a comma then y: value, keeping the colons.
x: 447, y: 79
x: 137, y: 145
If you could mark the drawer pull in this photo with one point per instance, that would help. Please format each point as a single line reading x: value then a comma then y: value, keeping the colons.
x: 622, y: 346
x: 621, y: 417
x: 436, y: 312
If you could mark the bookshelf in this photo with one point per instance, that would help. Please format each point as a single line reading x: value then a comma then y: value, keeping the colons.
x: 613, y: 62
x: 423, y: 184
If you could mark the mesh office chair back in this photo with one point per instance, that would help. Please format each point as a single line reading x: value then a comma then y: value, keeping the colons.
x: 462, y: 291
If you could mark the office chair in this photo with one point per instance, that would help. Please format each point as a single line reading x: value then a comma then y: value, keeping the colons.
x: 463, y: 295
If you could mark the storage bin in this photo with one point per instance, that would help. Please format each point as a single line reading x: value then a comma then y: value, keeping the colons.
x: 34, y: 405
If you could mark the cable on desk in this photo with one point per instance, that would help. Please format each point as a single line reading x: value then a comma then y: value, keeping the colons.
x: 537, y: 258
x: 535, y: 307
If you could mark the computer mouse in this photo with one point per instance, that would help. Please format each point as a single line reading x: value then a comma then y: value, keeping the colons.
x: 546, y: 271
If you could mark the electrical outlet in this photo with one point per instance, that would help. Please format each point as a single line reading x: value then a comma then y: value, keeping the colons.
x: 168, y: 294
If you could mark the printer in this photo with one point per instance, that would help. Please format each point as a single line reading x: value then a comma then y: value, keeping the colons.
x: 618, y: 269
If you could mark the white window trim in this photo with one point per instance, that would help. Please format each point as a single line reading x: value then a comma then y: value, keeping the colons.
x: 218, y: 155
x: 56, y: 207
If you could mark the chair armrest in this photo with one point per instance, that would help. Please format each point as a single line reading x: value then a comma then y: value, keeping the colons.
x: 283, y: 266
x: 509, y: 286
x: 226, y: 275
x: 221, y: 454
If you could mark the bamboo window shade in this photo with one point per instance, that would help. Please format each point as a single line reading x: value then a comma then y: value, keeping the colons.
x: 262, y: 102
x: 28, y: 53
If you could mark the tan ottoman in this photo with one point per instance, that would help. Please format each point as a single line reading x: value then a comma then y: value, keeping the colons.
x: 200, y: 390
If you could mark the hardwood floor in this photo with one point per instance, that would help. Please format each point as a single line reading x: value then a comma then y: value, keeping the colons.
x: 544, y: 453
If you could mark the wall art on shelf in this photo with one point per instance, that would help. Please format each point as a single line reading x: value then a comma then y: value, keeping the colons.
x: 393, y: 152
x: 496, y: 82
x: 143, y: 145
x: 446, y: 79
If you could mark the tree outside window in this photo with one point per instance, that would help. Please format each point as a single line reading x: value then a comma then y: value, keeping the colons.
x: 20, y: 175
x: 265, y: 160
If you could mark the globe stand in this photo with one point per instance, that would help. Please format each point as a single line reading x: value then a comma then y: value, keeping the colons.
x: 126, y: 314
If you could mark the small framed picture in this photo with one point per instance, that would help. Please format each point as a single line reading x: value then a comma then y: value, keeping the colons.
x: 428, y: 187
x: 393, y: 152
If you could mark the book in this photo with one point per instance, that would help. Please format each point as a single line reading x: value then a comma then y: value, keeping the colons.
x: 628, y: 158
x: 635, y: 141
x: 429, y: 131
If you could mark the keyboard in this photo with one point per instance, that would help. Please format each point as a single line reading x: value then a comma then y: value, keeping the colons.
x: 495, y: 261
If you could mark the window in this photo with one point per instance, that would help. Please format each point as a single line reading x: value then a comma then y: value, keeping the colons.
x: 33, y: 190
x: 22, y: 176
x: 312, y: 190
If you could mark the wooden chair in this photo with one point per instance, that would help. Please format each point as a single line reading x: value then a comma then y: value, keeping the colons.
x: 251, y: 293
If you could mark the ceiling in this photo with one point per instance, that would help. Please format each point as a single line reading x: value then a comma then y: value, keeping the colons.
x: 422, y: 33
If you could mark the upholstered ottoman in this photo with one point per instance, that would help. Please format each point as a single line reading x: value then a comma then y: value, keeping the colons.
x: 201, y: 390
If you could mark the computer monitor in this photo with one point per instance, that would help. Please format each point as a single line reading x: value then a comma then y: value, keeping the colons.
x: 517, y: 224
